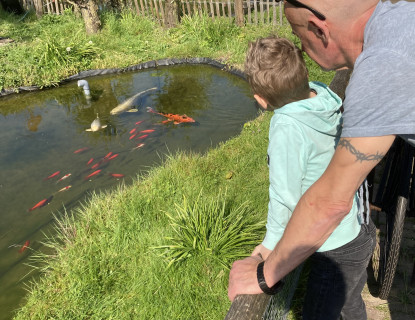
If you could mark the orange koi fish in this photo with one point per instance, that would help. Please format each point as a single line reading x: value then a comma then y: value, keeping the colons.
x: 138, y: 122
x: 81, y: 150
x: 133, y: 135
x: 90, y: 161
x: 108, y: 155
x: 41, y: 203
x: 96, y: 165
x: 113, y: 156
x: 52, y: 175
x: 92, y: 174
x: 116, y: 175
x: 176, y: 118
x: 147, y: 131
x: 138, y: 146
x: 64, y: 177
x: 65, y: 188
x: 132, y: 130
x: 143, y: 136
x: 24, y: 247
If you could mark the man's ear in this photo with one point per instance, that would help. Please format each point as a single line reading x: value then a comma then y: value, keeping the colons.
x: 262, y: 102
x: 320, y: 30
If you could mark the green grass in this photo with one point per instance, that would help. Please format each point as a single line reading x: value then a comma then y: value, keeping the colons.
x: 40, y: 55
x: 109, y: 258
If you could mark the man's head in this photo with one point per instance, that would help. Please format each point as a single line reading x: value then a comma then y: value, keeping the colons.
x: 331, y: 31
x: 276, y: 71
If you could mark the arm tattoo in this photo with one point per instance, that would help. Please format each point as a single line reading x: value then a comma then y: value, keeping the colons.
x: 344, y: 143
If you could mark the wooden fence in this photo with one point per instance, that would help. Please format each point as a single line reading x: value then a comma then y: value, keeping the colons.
x: 242, y: 11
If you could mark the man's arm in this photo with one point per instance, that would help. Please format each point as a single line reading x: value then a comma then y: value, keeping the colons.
x: 319, y: 211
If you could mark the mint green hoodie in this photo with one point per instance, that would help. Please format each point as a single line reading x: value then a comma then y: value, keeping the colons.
x: 302, y: 139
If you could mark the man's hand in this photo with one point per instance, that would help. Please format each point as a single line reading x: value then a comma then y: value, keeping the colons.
x: 261, y: 251
x: 243, y: 278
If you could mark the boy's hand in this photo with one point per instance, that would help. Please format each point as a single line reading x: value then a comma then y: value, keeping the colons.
x: 261, y: 251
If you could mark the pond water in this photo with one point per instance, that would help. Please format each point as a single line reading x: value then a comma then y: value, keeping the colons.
x: 42, y: 133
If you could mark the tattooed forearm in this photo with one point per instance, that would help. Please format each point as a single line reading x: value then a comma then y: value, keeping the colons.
x: 344, y: 143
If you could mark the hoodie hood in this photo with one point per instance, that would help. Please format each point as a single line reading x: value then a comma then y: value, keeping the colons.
x: 321, y: 113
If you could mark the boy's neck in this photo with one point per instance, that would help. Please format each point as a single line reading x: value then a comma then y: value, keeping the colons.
x: 313, y: 93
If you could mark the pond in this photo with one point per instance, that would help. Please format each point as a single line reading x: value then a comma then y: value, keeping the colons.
x: 50, y: 162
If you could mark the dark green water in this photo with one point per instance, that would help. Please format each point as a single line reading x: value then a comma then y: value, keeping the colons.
x: 40, y: 131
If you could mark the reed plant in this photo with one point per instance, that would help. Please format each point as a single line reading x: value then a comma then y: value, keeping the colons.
x: 211, y: 225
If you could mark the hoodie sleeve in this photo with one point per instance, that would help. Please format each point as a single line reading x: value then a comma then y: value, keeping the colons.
x: 287, y: 159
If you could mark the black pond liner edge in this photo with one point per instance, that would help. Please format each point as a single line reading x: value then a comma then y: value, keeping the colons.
x: 142, y: 66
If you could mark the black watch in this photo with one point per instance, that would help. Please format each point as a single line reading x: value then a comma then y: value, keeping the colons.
x: 263, y: 285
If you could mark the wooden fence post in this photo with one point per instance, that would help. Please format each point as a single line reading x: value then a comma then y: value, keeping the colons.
x: 171, y: 13
x: 239, y: 13
x: 38, y: 4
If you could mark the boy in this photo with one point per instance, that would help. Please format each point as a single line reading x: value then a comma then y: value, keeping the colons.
x: 303, y: 134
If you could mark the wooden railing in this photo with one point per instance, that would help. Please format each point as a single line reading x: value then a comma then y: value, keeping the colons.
x: 242, y: 11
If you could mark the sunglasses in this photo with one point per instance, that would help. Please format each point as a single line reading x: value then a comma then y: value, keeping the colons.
x: 298, y: 4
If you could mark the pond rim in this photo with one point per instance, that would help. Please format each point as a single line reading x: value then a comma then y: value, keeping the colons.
x: 141, y: 66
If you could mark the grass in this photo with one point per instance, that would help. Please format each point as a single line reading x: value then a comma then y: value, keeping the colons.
x: 110, y: 258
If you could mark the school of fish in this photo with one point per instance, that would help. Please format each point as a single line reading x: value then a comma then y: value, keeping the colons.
x: 98, y: 167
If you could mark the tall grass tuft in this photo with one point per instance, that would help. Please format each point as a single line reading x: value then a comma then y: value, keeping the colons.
x: 211, y: 226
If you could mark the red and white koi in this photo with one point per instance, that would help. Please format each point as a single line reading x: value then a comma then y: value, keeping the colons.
x: 52, y: 175
x: 140, y: 145
x: 64, y: 177
x: 92, y: 174
x: 65, y: 188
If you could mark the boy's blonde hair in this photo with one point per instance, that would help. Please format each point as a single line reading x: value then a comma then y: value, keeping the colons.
x: 276, y: 71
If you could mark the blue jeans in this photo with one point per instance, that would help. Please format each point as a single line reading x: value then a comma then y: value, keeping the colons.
x: 337, y: 278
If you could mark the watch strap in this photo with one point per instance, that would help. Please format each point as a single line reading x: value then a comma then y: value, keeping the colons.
x: 263, y: 285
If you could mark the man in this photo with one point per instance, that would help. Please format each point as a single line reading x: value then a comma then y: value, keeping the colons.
x: 376, y: 39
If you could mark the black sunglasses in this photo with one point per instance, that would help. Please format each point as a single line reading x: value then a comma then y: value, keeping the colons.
x: 298, y: 4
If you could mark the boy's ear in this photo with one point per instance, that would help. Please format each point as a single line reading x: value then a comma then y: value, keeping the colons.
x: 262, y: 102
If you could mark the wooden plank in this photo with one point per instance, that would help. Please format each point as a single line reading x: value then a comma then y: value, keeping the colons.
x: 280, y: 4
x: 151, y: 7
x: 56, y: 7
x: 199, y: 8
x: 137, y: 9
x: 248, y: 307
x: 205, y: 7
x: 47, y: 6
x: 268, y: 13
x: 146, y: 7
x: 188, y: 7
x: 255, y: 12
x: 217, y: 8
x: 261, y: 8
x: 248, y: 5
x: 162, y: 11
x: 229, y: 10
x: 212, y: 11
x: 194, y: 7
x: 274, y: 14
x: 143, y: 8
x: 156, y: 11
x: 61, y: 6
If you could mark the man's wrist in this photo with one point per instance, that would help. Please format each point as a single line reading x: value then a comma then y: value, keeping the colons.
x: 263, y: 284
